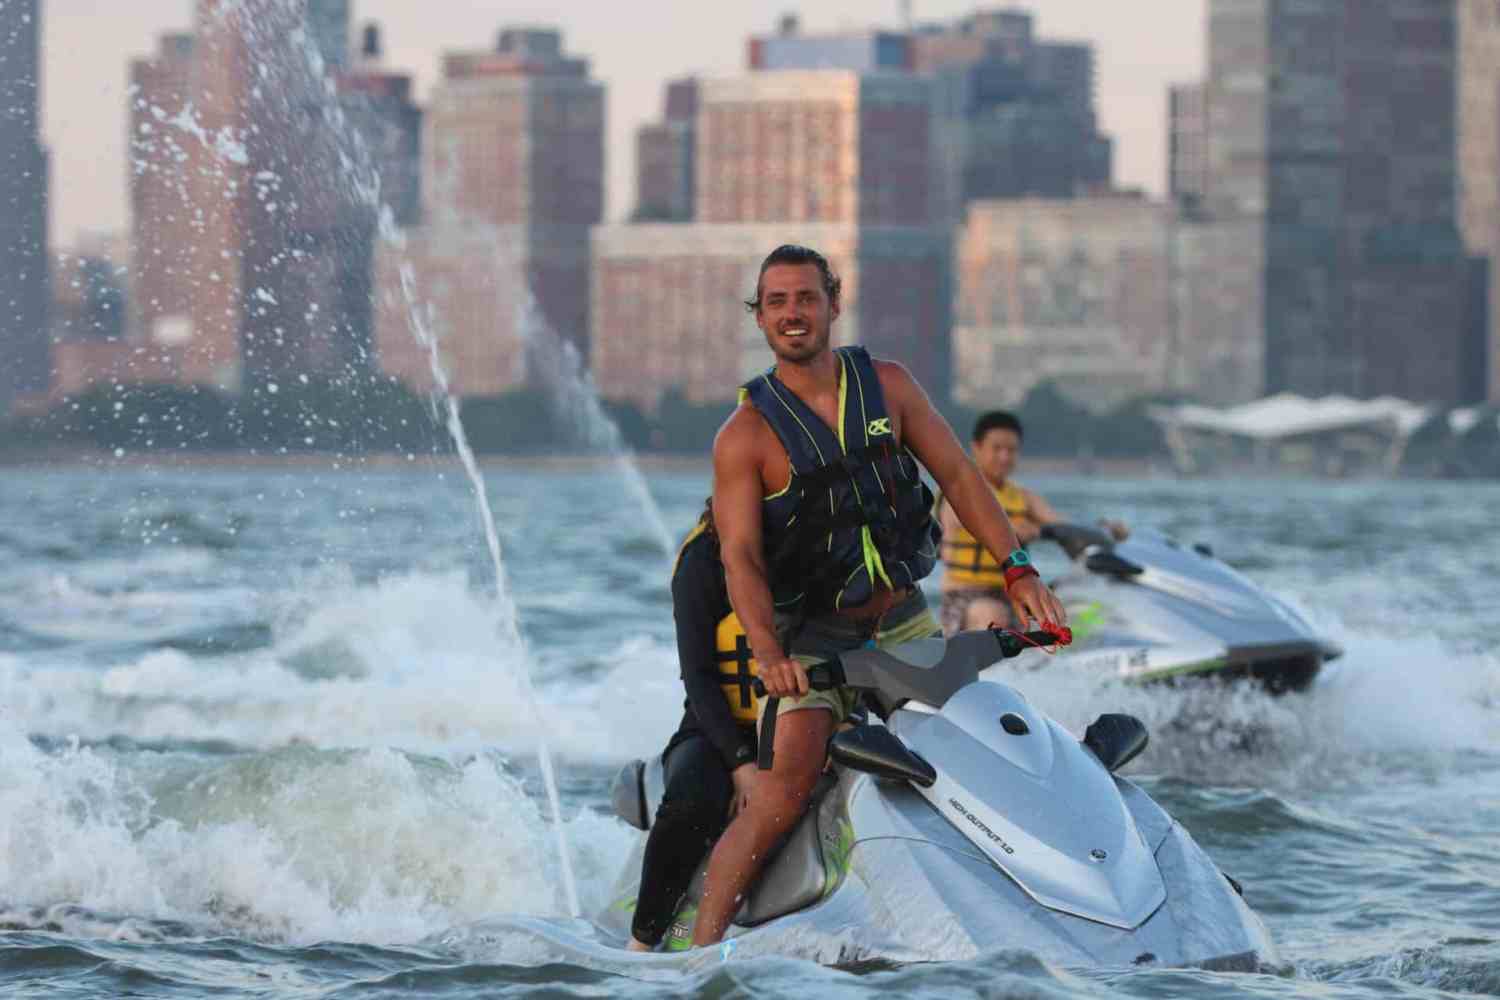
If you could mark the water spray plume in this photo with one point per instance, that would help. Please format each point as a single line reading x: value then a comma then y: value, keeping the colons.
x: 422, y: 331
x: 302, y: 77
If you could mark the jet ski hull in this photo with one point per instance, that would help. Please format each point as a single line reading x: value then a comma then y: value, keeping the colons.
x: 1150, y: 610
x: 900, y: 883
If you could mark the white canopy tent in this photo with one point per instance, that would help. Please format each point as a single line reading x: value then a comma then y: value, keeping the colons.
x: 1329, y: 434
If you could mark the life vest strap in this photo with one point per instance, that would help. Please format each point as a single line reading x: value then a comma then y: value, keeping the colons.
x: 846, y: 466
x: 743, y: 678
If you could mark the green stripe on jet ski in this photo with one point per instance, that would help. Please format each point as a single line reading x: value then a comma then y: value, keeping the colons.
x: 1201, y: 667
x: 1085, y: 620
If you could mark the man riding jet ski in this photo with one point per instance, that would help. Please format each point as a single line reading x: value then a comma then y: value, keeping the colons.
x: 825, y: 531
x: 967, y: 822
x: 1152, y: 609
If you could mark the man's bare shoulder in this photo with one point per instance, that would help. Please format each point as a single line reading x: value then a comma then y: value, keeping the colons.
x: 895, y: 379
x: 741, y: 435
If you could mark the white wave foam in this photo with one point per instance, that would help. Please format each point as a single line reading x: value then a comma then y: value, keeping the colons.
x: 414, y: 661
x: 1417, y: 696
x: 298, y: 844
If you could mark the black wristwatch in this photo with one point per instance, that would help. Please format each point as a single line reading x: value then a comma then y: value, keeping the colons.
x: 743, y: 754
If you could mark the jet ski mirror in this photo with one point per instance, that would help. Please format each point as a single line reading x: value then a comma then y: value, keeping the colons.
x: 1116, y: 739
x: 878, y: 751
x: 628, y: 795
x: 1111, y: 564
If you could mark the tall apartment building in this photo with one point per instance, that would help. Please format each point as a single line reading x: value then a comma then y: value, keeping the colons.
x: 513, y: 178
x: 161, y: 210
x: 814, y: 146
x: 251, y: 241
x: 1107, y: 298
x: 1075, y: 292
x: 1016, y: 114
x: 152, y: 341
x: 666, y: 158
x: 1337, y: 127
x: 1479, y: 164
x: 1187, y: 137
x: 24, y: 274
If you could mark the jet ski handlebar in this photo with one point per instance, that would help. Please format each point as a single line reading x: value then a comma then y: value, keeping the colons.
x: 1077, y: 539
x: 958, y: 665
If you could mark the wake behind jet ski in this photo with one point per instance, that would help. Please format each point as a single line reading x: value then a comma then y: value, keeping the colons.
x: 968, y: 822
x: 1151, y: 609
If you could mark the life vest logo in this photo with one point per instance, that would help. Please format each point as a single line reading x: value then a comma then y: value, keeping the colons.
x: 879, y: 427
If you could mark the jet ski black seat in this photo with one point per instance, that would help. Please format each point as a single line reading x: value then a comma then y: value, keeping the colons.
x: 797, y: 876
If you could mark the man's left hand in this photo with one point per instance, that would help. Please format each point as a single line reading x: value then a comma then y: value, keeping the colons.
x: 1034, y: 601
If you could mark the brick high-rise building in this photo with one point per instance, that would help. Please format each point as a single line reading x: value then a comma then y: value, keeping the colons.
x: 516, y: 135
x: 379, y: 104
x: 132, y: 321
x: 251, y: 234
x: 24, y: 281
x: 1108, y: 298
x: 814, y: 146
x: 1074, y: 291
x: 1187, y: 135
x: 513, y: 178
x: 1479, y: 161
x: 281, y: 282
x: 161, y: 210
x: 666, y: 158
x: 1346, y: 153
x: 1015, y: 115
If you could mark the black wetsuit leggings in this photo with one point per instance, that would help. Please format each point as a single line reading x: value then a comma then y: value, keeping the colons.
x: 691, y: 817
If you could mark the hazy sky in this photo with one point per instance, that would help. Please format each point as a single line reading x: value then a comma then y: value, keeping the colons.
x: 635, y: 48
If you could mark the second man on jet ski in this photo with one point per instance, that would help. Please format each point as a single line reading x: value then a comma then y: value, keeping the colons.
x: 825, y: 529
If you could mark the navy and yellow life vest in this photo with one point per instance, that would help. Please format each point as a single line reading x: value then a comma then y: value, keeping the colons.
x: 967, y: 563
x: 855, y: 514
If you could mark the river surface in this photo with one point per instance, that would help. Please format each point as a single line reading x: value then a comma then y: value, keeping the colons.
x: 260, y: 736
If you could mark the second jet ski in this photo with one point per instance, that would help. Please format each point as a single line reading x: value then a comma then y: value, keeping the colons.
x: 1153, y: 609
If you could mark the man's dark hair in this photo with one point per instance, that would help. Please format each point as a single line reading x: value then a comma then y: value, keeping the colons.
x: 997, y: 420
x: 791, y: 253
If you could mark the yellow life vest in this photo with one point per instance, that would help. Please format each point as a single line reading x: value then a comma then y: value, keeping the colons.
x: 968, y: 563
x: 737, y: 668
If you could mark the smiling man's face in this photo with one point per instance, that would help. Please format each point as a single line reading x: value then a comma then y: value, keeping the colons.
x: 795, y: 313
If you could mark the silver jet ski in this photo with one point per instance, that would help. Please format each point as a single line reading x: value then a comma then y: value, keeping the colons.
x: 1152, y: 609
x: 969, y: 822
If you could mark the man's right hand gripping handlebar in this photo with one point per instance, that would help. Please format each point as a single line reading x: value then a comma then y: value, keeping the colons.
x: 784, y: 677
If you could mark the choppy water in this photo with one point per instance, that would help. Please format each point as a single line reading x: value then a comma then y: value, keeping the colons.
x: 260, y: 735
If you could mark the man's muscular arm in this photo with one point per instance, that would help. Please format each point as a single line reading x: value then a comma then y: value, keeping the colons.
x: 931, y: 440
x: 738, y: 488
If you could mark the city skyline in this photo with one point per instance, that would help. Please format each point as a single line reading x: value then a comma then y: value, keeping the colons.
x: 84, y: 82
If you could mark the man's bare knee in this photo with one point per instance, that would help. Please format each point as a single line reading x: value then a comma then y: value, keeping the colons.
x: 983, y: 613
x: 782, y: 795
x: 778, y: 802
